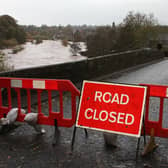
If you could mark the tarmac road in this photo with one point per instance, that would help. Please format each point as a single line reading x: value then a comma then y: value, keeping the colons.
x: 23, y: 148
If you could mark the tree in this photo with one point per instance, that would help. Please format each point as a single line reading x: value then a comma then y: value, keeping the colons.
x: 102, y: 42
x: 136, y: 30
x: 10, y: 30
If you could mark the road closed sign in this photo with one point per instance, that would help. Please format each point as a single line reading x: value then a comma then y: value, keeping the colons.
x: 115, y: 108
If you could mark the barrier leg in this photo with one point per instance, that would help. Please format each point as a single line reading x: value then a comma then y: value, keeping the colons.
x: 144, y: 132
x: 4, y: 129
x: 73, y: 138
x: 56, y: 133
x: 151, y: 145
x: 8, y: 128
x: 137, y: 150
x: 86, y: 133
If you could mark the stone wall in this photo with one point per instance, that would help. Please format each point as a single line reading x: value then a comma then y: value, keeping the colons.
x: 89, y: 68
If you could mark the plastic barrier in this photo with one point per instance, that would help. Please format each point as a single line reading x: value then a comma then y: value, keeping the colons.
x: 40, y: 85
x: 156, y: 127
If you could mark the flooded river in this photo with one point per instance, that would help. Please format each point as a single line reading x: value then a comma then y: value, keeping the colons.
x: 47, y: 53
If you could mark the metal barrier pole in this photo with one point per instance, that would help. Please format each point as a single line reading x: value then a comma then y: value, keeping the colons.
x: 56, y: 133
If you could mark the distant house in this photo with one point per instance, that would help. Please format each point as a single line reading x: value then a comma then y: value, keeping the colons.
x: 163, y: 38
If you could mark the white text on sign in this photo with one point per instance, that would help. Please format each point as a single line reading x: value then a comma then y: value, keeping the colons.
x: 104, y: 115
x: 112, y: 117
x: 108, y: 97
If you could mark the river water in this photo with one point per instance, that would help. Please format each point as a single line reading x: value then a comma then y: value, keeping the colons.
x: 47, y: 53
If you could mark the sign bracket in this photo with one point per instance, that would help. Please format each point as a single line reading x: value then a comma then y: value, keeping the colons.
x: 144, y: 136
x: 74, y: 135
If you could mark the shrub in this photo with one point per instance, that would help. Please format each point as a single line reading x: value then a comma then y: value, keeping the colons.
x: 1, y: 54
x: 17, y: 49
x: 38, y: 40
x: 9, y: 43
x: 64, y: 43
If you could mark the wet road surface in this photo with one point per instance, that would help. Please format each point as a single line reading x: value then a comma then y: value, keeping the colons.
x: 23, y: 148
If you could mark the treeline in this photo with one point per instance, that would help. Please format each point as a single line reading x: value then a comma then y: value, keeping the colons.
x: 69, y: 32
x: 136, y: 31
x: 11, y: 33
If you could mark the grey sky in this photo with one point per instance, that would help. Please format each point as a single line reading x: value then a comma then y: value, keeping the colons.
x: 78, y: 12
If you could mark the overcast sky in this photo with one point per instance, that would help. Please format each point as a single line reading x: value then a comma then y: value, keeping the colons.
x: 79, y: 12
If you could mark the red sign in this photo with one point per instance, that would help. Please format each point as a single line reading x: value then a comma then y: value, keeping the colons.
x: 115, y: 108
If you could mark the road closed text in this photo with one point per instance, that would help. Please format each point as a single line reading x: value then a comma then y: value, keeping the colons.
x: 112, y: 117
